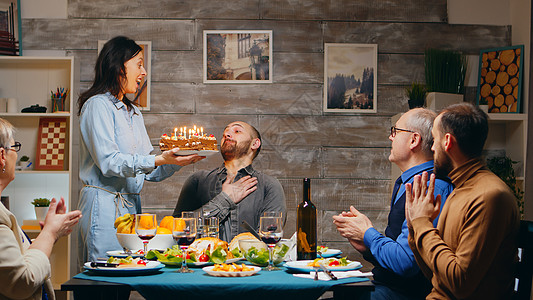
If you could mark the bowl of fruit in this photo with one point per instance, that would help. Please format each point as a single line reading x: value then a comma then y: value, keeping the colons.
x: 129, y: 240
x: 256, y: 252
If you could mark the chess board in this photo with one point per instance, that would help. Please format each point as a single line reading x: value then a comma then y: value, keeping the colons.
x: 51, y: 144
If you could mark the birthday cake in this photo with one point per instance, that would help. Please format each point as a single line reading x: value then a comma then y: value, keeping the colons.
x: 193, y: 139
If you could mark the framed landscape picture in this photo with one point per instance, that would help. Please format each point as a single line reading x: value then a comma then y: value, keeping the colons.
x: 236, y: 56
x: 500, y: 79
x: 142, y: 96
x: 350, y: 78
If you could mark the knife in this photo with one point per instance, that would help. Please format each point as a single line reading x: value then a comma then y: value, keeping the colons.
x: 96, y: 264
x: 323, y: 268
x: 247, y: 226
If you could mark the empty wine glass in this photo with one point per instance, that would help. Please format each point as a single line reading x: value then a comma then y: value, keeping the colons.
x: 184, y: 233
x: 271, y: 231
x: 146, y: 228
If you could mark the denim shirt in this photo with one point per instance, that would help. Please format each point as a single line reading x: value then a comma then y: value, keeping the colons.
x: 396, y: 255
x: 114, y: 157
x: 203, y: 192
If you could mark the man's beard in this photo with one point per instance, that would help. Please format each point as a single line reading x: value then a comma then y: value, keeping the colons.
x: 230, y: 149
x: 443, y: 165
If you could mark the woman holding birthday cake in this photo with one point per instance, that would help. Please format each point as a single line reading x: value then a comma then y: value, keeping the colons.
x: 115, y: 148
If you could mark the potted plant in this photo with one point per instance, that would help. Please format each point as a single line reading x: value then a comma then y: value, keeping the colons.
x: 416, y: 94
x: 24, y: 161
x: 445, y: 72
x: 41, y: 207
x: 503, y: 167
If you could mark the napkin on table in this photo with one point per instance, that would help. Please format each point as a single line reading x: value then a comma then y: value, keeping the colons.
x: 291, y: 254
x: 339, y: 274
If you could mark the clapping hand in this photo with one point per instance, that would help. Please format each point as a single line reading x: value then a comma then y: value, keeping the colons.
x: 420, y: 201
x: 353, y: 225
x: 58, y: 222
x: 239, y: 189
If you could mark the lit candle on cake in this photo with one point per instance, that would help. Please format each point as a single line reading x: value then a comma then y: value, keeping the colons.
x: 176, y: 131
x: 201, y: 131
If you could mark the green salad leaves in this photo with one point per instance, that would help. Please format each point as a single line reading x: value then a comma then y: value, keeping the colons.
x: 260, y: 256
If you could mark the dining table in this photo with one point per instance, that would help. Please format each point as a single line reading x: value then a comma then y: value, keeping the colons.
x: 167, y: 283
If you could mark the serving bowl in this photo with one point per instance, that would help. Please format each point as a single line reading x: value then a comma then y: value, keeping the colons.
x: 133, y: 242
x: 256, y: 251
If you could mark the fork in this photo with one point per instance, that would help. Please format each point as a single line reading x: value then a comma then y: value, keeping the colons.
x: 316, y: 268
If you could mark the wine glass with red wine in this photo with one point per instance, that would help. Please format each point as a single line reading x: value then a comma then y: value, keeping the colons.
x: 146, y: 228
x: 271, y: 231
x: 184, y: 233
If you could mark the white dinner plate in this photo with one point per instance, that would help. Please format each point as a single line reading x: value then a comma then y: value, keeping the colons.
x: 122, y: 254
x: 198, y: 263
x: 209, y: 270
x: 331, y: 253
x: 301, y: 266
x: 199, y: 152
x: 151, y: 267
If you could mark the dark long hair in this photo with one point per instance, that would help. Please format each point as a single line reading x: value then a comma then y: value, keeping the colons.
x: 109, y: 70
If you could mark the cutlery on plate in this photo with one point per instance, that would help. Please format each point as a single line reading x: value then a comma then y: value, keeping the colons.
x: 326, y: 270
x: 96, y: 264
x: 316, y: 273
x: 247, y: 226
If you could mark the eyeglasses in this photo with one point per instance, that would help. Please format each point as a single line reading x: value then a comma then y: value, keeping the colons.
x: 394, y: 130
x: 15, y: 147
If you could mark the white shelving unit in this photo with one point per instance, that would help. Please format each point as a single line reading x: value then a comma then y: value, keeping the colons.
x: 30, y: 80
x: 508, y: 132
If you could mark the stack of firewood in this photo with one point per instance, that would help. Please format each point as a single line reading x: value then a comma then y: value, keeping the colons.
x: 499, y: 80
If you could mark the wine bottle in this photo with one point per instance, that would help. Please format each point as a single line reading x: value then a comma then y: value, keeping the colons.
x: 306, y: 225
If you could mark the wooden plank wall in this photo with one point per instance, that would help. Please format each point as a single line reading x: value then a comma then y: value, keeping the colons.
x: 345, y: 155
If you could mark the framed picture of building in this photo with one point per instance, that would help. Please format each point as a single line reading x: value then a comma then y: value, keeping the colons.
x: 236, y: 56
x: 350, y: 78
x: 500, y: 79
x: 142, y: 96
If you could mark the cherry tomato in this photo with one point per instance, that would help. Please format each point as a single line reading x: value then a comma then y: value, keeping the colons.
x: 141, y: 252
x: 334, y: 263
x: 203, y: 258
x: 187, y: 256
x: 141, y: 262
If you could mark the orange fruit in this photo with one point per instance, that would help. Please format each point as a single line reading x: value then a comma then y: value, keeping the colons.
x: 166, y: 222
x: 146, y: 222
x: 179, y: 224
x: 163, y: 230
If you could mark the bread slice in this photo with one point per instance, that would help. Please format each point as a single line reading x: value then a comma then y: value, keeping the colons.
x: 243, y: 236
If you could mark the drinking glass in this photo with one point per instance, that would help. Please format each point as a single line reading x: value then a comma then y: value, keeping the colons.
x: 146, y: 228
x: 211, y: 227
x: 277, y: 214
x: 271, y: 231
x: 184, y: 233
x: 200, y: 223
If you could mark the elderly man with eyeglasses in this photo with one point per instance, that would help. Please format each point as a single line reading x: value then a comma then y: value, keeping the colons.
x: 396, y: 273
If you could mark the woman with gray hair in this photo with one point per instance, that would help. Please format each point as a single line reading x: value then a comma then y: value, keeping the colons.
x: 25, y: 265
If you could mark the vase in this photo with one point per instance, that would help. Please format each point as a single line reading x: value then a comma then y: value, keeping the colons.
x: 40, y: 212
x: 415, y: 103
x: 438, y: 101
